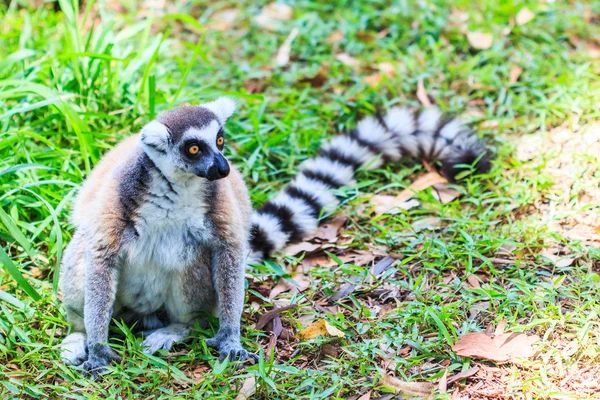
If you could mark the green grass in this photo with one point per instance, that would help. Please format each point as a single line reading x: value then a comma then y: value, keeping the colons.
x: 74, y: 83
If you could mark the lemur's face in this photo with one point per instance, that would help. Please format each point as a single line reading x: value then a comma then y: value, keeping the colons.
x: 189, y: 140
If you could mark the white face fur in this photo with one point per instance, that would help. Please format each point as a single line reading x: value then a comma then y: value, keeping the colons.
x: 188, y: 141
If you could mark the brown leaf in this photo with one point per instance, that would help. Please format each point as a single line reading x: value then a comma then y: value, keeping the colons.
x: 473, y: 281
x: 328, y: 231
x: 443, y: 384
x: 223, y: 20
x: 335, y: 37
x: 269, y: 315
x: 387, y: 69
x: 283, y: 54
x: 386, y: 204
x: 296, y: 248
x: 418, y: 185
x: 515, y: 73
x: 524, y: 16
x: 366, y: 396
x: 319, y: 328
x: 348, y: 288
x: 422, y: 94
x: 320, y: 77
x: 480, y: 40
x: 500, y: 328
x: 502, y: 348
x: 373, y: 80
x: 272, y: 14
x: 247, y: 390
x: 422, y: 389
x: 348, y: 60
x: 463, y: 375
x: 444, y: 193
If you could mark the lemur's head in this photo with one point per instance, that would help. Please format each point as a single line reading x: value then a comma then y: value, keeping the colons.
x: 188, y: 140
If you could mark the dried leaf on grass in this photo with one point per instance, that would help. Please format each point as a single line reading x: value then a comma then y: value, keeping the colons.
x: 480, y: 40
x: 463, y: 375
x: 283, y: 54
x: 319, y: 328
x: 269, y: 315
x: 421, y: 389
x: 296, y: 248
x: 422, y: 94
x: 335, y: 37
x: 272, y: 14
x: 247, y: 390
x: 418, y: 185
x: 319, y: 79
x: 515, y: 73
x: 223, y: 20
x: 328, y: 231
x: 348, y: 288
x: 348, y: 60
x: 444, y: 193
x: 507, y: 347
x: 524, y: 16
x: 283, y: 285
x: 373, y: 80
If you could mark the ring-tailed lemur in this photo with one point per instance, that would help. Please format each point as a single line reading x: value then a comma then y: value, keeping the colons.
x: 164, y: 227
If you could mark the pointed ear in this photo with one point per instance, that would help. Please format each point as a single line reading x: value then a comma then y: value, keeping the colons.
x: 222, y: 107
x: 155, y: 136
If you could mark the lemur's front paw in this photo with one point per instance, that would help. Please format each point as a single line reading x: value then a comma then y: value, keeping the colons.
x: 231, y: 348
x: 99, y: 357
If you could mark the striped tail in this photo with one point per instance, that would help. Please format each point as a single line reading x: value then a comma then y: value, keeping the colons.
x: 294, y: 212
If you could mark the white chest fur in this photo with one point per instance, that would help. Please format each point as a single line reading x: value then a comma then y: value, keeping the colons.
x: 171, y: 224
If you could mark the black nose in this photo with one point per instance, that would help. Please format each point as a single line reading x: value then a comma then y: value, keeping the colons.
x: 223, y: 170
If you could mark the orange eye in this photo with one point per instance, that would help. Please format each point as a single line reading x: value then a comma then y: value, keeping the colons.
x: 193, y: 150
x: 220, y: 141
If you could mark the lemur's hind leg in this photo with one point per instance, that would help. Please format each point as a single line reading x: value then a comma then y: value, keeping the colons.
x: 74, y: 349
x: 164, y: 338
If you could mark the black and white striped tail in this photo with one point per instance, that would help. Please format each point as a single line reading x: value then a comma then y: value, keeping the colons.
x: 294, y: 212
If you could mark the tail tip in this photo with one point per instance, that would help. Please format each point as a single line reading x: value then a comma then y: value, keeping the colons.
x: 479, y: 159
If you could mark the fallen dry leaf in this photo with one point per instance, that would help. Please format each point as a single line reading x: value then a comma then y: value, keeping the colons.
x: 319, y: 78
x: 366, y: 396
x: 247, y: 390
x: 387, y: 69
x: 418, y: 185
x: 502, y: 348
x: 319, y: 328
x: 515, y: 73
x: 283, y: 54
x: 443, y: 384
x: 463, y: 375
x: 348, y: 60
x: 524, y: 16
x: 328, y: 231
x: 387, y: 204
x: 269, y: 315
x: 444, y: 194
x: 421, y: 389
x: 223, y: 20
x: 283, y: 285
x: 335, y: 37
x: 473, y: 281
x: 422, y: 94
x: 480, y: 40
x: 373, y: 80
x: 272, y: 14
x: 296, y: 248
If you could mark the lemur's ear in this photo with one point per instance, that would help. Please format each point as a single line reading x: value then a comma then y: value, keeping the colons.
x: 156, y: 136
x: 223, y: 107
